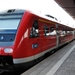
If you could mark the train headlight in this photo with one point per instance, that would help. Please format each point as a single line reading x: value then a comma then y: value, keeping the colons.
x: 8, y: 50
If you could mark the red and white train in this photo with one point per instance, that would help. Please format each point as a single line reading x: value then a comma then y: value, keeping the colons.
x: 25, y: 37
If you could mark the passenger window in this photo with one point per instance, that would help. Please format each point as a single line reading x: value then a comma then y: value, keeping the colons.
x: 46, y: 30
x: 52, y: 31
x: 62, y: 32
x: 34, y: 30
x: 69, y: 32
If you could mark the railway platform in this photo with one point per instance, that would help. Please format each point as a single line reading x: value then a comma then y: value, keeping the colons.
x: 61, y: 62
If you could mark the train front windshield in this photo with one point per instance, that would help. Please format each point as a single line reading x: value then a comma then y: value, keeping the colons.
x: 8, y: 27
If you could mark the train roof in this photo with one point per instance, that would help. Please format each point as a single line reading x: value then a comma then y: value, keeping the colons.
x: 12, y: 12
x: 54, y: 20
x: 20, y: 12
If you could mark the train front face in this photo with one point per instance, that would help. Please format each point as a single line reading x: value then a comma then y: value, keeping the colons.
x: 9, y: 22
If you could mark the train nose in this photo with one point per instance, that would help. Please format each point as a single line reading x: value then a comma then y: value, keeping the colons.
x: 6, y: 56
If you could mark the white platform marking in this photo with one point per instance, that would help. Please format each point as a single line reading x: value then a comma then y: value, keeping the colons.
x: 59, y: 63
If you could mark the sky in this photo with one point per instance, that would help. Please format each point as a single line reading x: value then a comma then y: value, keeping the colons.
x: 40, y: 6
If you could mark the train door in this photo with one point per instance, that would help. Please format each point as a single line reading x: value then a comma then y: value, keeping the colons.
x: 61, y: 33
x: 35, y: 41
x: 57, y: 36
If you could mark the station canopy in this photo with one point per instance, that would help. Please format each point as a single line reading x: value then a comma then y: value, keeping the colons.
x: 68, y: 6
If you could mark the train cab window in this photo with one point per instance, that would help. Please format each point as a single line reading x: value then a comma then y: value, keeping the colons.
x: 46, y: 30
x: 34, y: 30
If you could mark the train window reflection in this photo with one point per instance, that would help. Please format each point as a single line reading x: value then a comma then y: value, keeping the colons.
x: 52, y: 31
x: 69, y: 32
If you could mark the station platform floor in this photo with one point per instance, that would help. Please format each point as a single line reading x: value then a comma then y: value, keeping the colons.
x: 61, y: 62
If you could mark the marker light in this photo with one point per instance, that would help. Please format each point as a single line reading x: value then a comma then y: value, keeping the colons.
x: 8, y: 50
